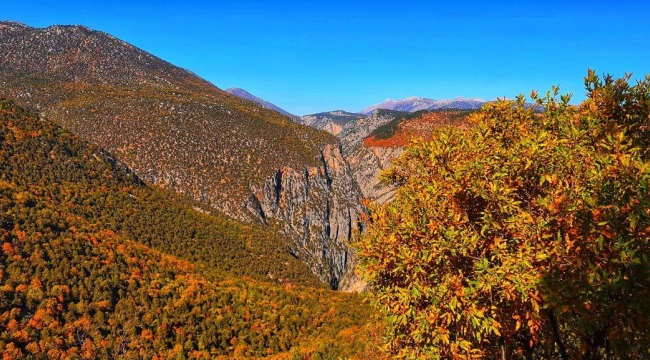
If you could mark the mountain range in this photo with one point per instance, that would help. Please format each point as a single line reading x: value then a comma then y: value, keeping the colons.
x: 340, y: 117
x: 413, y: 104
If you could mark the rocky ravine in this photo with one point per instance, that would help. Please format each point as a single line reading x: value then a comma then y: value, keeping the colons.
x: 366, y: 164
x: 353, y: 132
x: 332, y: 121
x: 318, y: 206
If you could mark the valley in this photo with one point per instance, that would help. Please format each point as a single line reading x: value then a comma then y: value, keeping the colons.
x: 137, y: 196
x: 147, y: 213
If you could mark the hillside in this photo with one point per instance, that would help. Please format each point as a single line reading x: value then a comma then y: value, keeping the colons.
x: 353, y: 132
x: 331, y: 121
x: 96, y: 264
x: 401, y: 129
x: 265, y: 104
x: 174, y: 129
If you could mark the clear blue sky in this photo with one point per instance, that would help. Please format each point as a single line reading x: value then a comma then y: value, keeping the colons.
x: 312, y: 56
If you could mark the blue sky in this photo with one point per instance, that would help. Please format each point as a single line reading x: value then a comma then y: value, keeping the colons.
x: 311, y: 56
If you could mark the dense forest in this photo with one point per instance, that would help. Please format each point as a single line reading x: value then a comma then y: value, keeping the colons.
x: 97, y: 264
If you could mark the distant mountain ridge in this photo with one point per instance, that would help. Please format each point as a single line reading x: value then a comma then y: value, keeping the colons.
x: 265, y: 104
x: 330, y: 121
x: 413, y: 104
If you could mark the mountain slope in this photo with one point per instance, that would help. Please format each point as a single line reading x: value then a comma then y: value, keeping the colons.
x: 93, y: 185
x: 177, y: 130
x: 413, y: 104
x: 330, y: 121
x: 78, y: 278
x: 265, y: 104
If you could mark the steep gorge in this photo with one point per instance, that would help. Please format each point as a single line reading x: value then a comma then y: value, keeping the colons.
x: 176, y: 130
x: 320, y: 207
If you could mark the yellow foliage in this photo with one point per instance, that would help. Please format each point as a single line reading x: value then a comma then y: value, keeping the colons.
x: 499, y: 227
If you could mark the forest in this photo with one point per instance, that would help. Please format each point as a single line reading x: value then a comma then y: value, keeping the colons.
x: 524, y: 233
x: 97, y: 264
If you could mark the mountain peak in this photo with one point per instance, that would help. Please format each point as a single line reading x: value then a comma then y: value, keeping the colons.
x: 12, y: 25
x: 236, y: 90
x: 415, y: 103
x: 241, y: 93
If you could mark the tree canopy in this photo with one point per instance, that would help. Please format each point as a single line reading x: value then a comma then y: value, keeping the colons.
x: 523, y: 235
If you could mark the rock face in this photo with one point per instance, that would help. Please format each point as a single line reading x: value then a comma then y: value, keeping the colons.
x: 366, y: 164
x: 354, y: 132
x: 319, y: 207
x: 332, y: 121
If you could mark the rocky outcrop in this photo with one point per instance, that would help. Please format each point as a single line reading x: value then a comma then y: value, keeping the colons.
x: 366, y: 165
x: 318, y: 207
x: 355, y: 131
x: 332, y: 121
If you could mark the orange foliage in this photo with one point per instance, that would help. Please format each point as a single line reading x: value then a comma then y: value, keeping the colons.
x: 11, y: 352
x: 147, y: 334
x: 412, y: 129
x: 21, y: 235
x: 21, y: 336
x: 8, y: 249
x: 12, y: 325
x: 36, y: 283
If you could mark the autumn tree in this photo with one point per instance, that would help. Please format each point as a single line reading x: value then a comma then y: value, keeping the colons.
x: 524, y: 235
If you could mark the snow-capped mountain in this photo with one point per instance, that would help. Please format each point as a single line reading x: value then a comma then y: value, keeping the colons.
x: 413, y: 104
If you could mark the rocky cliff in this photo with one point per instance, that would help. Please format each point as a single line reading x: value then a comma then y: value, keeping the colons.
x: 353, y: 132
x: 366, y: 164
x: 174, y: 129
x: 317, y: 206
x: 331, y: 121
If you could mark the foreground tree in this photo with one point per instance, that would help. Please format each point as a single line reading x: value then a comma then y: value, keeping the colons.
x: 524, y: 235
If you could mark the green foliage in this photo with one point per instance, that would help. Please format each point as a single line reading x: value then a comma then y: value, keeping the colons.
x: 524, y: 235
x: 95, y: 264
